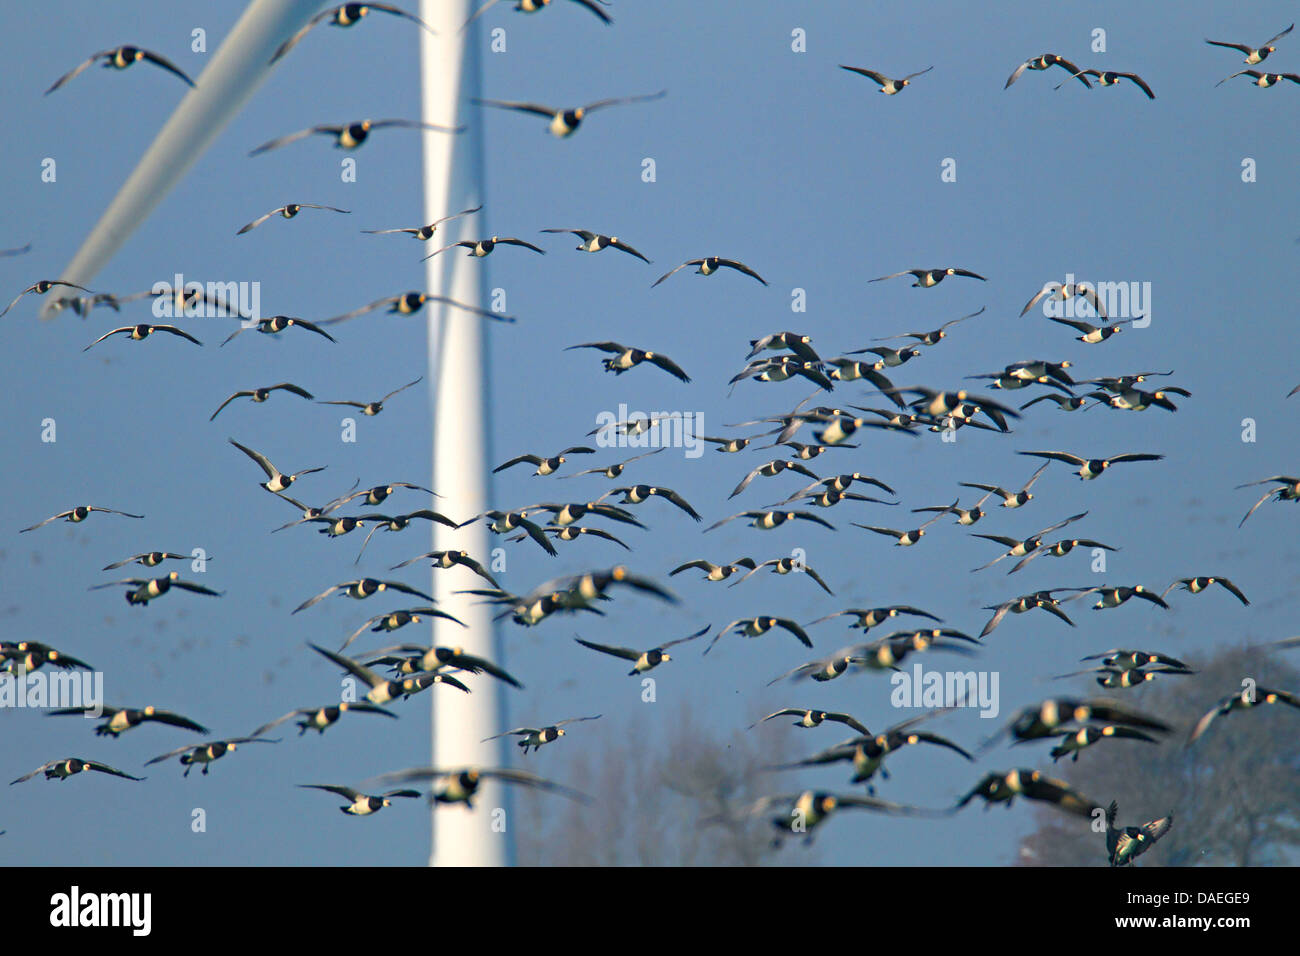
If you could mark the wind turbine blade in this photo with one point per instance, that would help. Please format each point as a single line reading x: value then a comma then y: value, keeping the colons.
x: 237, y: 68
x: 453, y: 169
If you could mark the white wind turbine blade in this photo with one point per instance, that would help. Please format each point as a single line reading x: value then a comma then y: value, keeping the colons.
x: 453, y: 167
x: 236, y: 69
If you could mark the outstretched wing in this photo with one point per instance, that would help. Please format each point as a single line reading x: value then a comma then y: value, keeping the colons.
x: 290, y: 43
x: 39, y: 770
x: 173, y: 330
x: 293, y: 138
x: 669, y: 366
x: 166, y: 64
x: 741, y: 267
x: 689, y: 262
x: 872, y: 75
x: 626, y: 653
x: 77, y: 71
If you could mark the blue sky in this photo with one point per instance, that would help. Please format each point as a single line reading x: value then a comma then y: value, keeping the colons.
x: 773, y: 157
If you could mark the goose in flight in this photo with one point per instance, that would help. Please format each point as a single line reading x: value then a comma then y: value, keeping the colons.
x: 120, y: 58
x: 888, y: 85
x: 566, y: 120
x: 346, y: 15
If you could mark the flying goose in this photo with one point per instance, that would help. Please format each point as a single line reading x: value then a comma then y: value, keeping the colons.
x: 408, y: 303
x: 1045, y: 62
x: 1060, y: 549
x: 118, y: 720
x: 450, y: 559
x: 545, y: 465
x: 1032, y: 785
x: 903, y: 539
x: 800, y: 345
x: 429, y: 660
x: 825, y: 669
x: 1010, y: 499
x: 1288, y: 490
x: 1198, y: 584
x: 934, y: 336
x: 276, y: 481
x: 205, y: 754
x: 766, y: 520
x: 626, y: 358
x: 460, y: 785
x: 346, y: 15
x: 40, y: 288
x: 478, y: 248
x: 1060, y: 291
x: 1263, y: 80
x: 63, y: 769
x: 802, y: 813
x: 1126, y: 844
x: 1090, y: 468
x: 1112, y: 78
x: 929, y: 278
x: 615, y: 470
x: 1073, y: 741
x: 708, y: 265
x: 1112, y: 597
x: 965, y: 516
x: 573, y: 532
x: 533, y: 6
x: 596, y: 242
x: 148, y: 559
x: 382, y: 690
x: 1043, y: 600
x: 360, y: 589
x: 867, y: 618
x: 277, y: 324
x: 370, y: 409
x: 1045, y: 719
x: 119, y: 58
x: 261, y: 394
x: 362, y: 804
x: 1123, y: 677
x: 144, y: 590
x: 321, y: 718
x: 1122, y: 659
x: 1092, y: 334
x: 423, y: 233
x: 350, y: 135
x: 538, y: 737
x: 636, y: 494
x: 1249, y: 697
x: 565, y: 121
x: 715, y: 572
x: 394, y: 620
x: 287, y: 211
x: 137, y: 333
x: 1254, y: 54
x: 888, y: 85
x: 31, y: 656
x: 758, y: 626
x: 78, y: 514
x: 815, y: 718
x: 787, y: 566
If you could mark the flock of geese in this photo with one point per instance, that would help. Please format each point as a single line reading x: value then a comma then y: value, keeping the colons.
x: 794, y: 440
